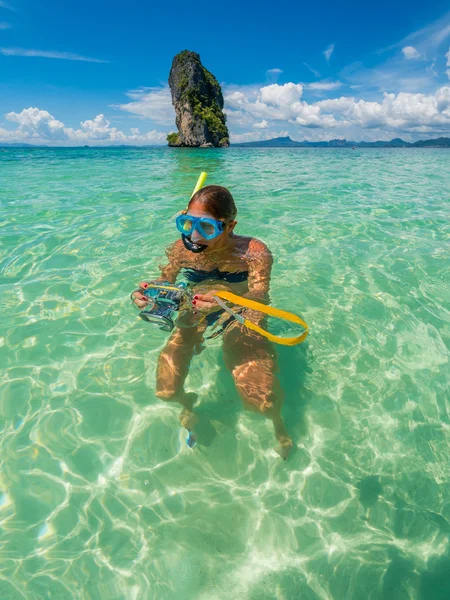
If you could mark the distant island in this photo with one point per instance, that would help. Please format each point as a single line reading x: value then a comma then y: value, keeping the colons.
x: 287, y: 142
x: 279, y: 142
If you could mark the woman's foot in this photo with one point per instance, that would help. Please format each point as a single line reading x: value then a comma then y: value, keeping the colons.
x: 283, y: 438
x: 284, y: 447
x: 191, y: 439
x: 188, y: 419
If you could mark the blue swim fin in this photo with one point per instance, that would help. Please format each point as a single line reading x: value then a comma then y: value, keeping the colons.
x: 191, y: 439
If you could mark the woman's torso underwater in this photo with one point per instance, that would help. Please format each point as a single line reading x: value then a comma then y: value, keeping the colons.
x: 203, y: 273
x: 229, y: 269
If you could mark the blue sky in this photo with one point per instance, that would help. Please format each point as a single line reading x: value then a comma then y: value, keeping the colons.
x: 96, y: 72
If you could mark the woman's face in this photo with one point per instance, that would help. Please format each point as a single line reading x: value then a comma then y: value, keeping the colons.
x: 198, y: 210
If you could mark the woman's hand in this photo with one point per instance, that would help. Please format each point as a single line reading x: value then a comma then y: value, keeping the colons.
x: 144, y: 284
x: 139, y: 299
x: 205, y: 302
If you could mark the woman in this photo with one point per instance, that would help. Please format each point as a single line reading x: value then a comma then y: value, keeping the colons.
x: 212, y: 256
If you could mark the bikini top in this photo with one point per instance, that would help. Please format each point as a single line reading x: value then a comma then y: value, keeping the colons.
x: 198, y: 275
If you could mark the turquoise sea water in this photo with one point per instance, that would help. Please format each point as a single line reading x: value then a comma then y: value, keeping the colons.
x: 99, y: 495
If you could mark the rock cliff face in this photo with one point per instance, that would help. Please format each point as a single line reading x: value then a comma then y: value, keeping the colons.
x: 198, y: 102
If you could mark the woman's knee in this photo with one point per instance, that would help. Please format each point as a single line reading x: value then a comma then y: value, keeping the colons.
x: 258, y: 386
x: 167, y: 394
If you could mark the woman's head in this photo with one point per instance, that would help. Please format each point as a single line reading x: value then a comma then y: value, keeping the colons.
x: 213, y: 202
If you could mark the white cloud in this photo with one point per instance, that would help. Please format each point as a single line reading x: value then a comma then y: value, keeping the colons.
x: 262, y: 125
x: 40, y: 127
x: 275, y: 71
x: 275, y: 103
x: 37, y: 123
x: 47, y: 54
x: 328, y: 52
x: 324, y: 85
x: 447, y: 56
x: 151, y: 103
x: 4, y: 25
x: 281, y: 95
x: 401, y: 112
x: 410, y: 53
x: 154, y: 137
x: 97, y: 129
x: 13, y: 136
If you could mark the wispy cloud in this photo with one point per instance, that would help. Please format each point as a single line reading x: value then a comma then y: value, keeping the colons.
x: 413, y: 64
x: 48, y: 54
x: 328, y: 52
x: 324, y: 85
x: 410, y: 53
x: 275, y: 71
x: 5, y: 5
x: 434, y: 34
x: 313, y: 71
x: 427, y: 39
x: 4, y: 25
x: 150, y: 103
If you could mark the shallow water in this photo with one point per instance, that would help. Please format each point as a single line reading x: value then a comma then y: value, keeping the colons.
x: 100, y: 496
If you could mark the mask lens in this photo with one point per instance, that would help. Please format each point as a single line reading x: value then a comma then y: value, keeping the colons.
x: 186, y: 224
x: 208, y: 228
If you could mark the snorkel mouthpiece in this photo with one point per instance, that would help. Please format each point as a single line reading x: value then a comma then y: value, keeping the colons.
x: 192, y: 246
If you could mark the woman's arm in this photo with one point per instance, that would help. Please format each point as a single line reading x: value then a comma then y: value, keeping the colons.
x: 259, y: 260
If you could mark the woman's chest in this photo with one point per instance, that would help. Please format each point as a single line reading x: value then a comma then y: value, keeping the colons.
x: 229, y: 263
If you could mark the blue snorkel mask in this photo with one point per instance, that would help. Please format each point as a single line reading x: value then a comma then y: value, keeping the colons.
x: 208, y: 228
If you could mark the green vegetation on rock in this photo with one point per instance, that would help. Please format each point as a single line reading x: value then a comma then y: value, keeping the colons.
x: 172, y: 138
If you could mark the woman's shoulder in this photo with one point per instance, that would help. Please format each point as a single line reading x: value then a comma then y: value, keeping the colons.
x: 252, y: 245
x: 252, y: 249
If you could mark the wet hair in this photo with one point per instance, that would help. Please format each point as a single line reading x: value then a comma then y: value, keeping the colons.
x: 217, y: 201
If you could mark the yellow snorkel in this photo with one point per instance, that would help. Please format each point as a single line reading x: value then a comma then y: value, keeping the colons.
x: 186, y: 239
x: 200, y: 182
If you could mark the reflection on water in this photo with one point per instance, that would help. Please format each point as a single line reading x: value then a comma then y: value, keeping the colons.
x: 99, y: 495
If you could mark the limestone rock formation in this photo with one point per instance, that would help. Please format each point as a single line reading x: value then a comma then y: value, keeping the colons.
x: 198, y: 102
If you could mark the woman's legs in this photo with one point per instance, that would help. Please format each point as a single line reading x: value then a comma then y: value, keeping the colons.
x: 172, y: 370
x: 251, y: 360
